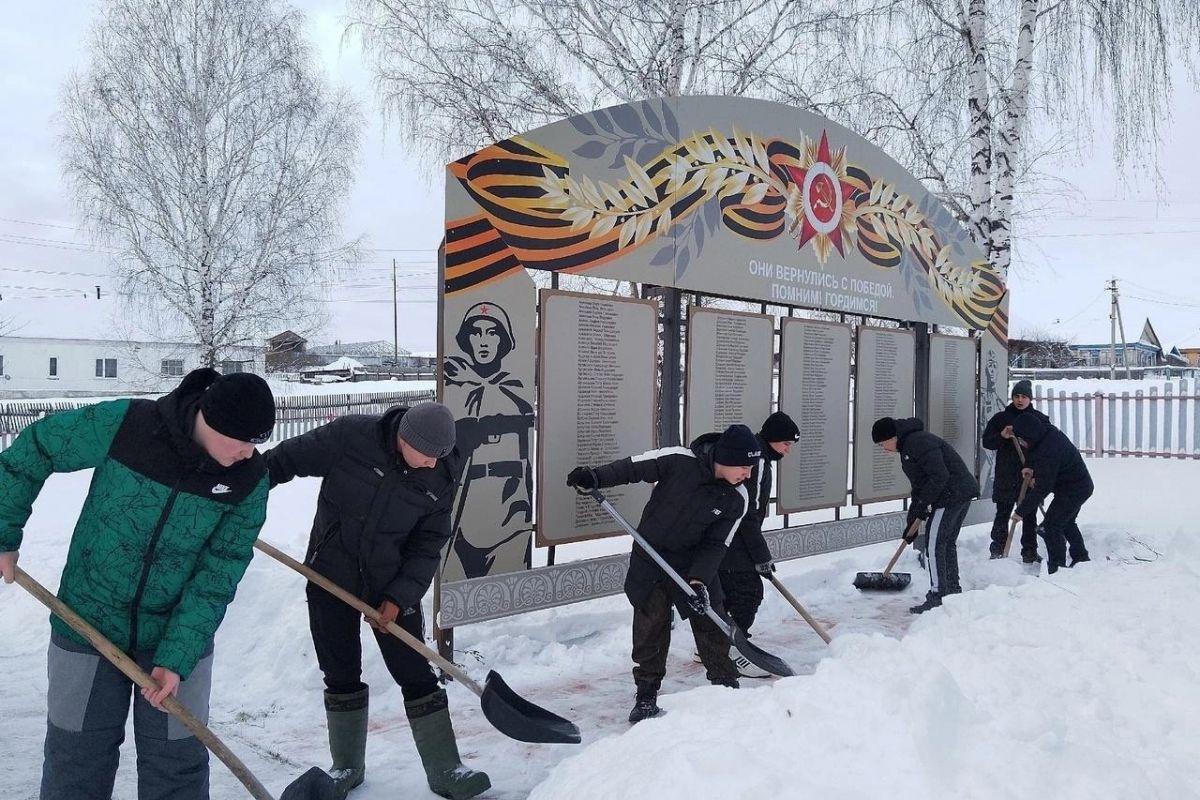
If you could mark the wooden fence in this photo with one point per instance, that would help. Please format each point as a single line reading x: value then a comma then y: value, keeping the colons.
x: 1152, y: 423
x: 294, y: 414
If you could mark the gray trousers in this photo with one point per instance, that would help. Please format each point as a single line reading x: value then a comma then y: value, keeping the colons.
x: 88, y: 701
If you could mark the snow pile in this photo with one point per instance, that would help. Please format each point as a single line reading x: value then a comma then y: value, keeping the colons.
x: 1083, y: 684
x: 1080, y: 685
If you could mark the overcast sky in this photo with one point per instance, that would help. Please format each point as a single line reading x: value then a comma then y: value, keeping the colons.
x: 1113, y: 227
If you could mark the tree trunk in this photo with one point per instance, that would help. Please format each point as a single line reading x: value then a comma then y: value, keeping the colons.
x: 1008, y: 154
x: 980, y: 142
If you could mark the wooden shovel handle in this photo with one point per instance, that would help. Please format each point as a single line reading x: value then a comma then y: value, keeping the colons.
x: 816, y: 626
x: 916, y: 523
x: 135, y: 673
x: 1012, y: 528
x: 337, y: 591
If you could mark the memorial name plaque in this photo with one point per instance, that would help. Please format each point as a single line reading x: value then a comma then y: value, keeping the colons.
x: 952, y: 384
x: 883, y: 387
x: 815, y: 392
x: 596, y: 391
x: 730, y: 356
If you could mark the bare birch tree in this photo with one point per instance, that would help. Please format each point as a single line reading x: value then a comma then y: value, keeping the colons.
x: 970, y: 94
x: 203, y: 146
x: 459, y: 74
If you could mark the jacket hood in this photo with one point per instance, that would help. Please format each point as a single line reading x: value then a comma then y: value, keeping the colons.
x: 906, y: 426
x: 768, y: 452
x: 1030, y: 428
x: 177, y: 408
x: 704, y: 446
x: 389, y: 425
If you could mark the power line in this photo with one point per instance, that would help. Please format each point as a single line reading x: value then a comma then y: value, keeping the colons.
x: 39, y: 224
x: 32, y: 271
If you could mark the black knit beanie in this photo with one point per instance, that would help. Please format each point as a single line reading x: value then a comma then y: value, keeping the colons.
x: 779, y: 427
x: 737, y: 447
x: 1023, y: 388
x: 239, y: 406
x: 883, y: 429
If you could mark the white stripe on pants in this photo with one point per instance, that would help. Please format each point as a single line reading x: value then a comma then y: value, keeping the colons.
x: 933, y: 528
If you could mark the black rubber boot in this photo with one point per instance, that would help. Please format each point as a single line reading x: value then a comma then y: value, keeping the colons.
x: 346, y: 715
x: 932, y: 600
x: 645, y: 706
x: 429, y: 718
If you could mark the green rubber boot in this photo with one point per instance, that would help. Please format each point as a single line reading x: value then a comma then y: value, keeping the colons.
x: 429, y: 718
x: 346, y: 715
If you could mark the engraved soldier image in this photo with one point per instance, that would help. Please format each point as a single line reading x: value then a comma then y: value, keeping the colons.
x: 494, y: 427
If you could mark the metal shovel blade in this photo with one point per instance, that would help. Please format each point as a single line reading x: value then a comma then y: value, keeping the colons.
x: 519, y: 719
x: 316, y: 784
x: 882, y: 581
x: 757, y: 656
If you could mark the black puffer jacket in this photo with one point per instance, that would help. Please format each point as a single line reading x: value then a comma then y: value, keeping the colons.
x: 688, y: 519
x: 1007, y: 482
x: 380, y: 525
x: 748, y: 547
x: 937, y: 473
x: 1057, y: 466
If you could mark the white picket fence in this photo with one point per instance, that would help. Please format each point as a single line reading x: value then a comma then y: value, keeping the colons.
x: 1152, y: 422
x: 294, y: 414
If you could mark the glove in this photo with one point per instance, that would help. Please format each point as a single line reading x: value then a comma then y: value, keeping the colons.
x: 698, y: 603
x: 766, y: 568
x: 915, y: 512
x: 910, y: 532
x: 583, y: 478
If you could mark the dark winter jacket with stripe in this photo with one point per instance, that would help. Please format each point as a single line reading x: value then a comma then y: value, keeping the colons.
x: 1006, y: 484
x: 380, y: 524
x: 1057, y: 466
x: 165, y: 533
x: 689, y: 519
x: 748, y: 547
x: 937, y: 473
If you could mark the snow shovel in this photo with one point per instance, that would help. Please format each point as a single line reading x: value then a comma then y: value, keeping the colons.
x: 1012, y: 528
x: 816, y: 626
x: 888, y: 581
x: 509, y: 713
x: 312, y: 785
x: 754, y: 654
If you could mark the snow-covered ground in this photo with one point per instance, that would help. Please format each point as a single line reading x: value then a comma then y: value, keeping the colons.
x: 1085, y: 684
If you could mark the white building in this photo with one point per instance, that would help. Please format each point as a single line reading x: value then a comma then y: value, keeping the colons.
x: 72, y: 349
x: 39, y: 367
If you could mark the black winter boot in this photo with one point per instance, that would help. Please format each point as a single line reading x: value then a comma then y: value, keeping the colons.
x: 645, y: 706
x: 346, y: 715
x: 932, y: 600
x: 1031, y: 557
x: 429, y: 718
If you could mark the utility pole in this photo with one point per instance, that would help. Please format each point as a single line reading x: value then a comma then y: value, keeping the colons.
x: 1121, y: 327
x: 1112, y: 342
x: 395, y: 320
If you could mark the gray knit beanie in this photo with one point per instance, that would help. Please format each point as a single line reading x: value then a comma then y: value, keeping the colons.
x: 429, y: 427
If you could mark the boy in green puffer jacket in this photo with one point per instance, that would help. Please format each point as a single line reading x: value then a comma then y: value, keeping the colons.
x: 166, y: 532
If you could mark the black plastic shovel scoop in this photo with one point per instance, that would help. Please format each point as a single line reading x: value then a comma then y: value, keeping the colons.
x: 888, y: 581
x: 509, y: 713
x: 754, y: 654
x: 316, y: 784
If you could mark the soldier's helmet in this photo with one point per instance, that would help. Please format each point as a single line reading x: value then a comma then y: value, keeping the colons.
x: 492, y: 313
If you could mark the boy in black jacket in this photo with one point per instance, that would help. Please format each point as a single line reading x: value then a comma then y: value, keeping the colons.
x: 749, y: 559
x: 1006, y: 485
x: 942, y: 490
x: 692, y: 513
x: 1058, y: 469
x: 383, y: 517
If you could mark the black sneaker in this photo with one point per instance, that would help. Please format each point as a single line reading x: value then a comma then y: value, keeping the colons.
x: 1079, y: 560
x: 644, y: 707
x: 932, y: 600
x: 1031, y: 558
x: 994, y: 556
